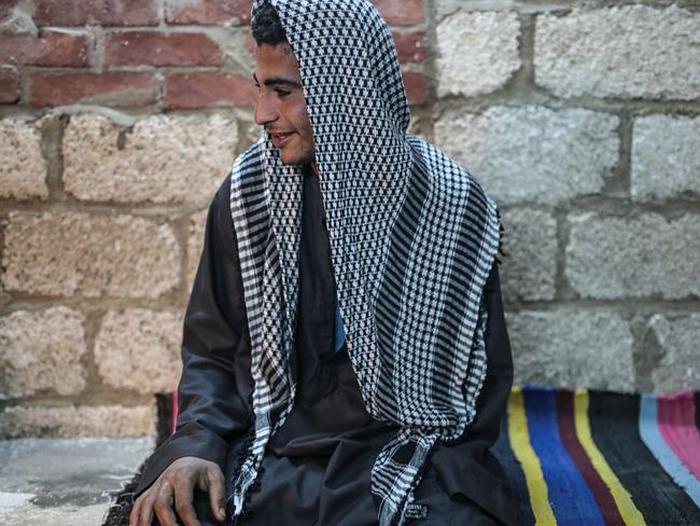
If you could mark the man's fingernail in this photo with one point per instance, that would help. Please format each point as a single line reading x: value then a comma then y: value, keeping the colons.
x: 222, y: 512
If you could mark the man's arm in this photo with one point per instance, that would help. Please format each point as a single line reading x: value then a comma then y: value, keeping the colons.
x: 215, y: 386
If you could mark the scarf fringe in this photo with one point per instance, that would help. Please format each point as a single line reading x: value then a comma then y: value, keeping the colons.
x: 250, y: 464
x: 398, y: 497
x: 240, y: 501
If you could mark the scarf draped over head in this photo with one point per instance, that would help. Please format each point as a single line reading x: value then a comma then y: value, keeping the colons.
x: 413, y: 238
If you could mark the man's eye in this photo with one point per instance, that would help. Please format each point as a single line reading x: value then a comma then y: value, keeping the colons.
x: 282, y: 93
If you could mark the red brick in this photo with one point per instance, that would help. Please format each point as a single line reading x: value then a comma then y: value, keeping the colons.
x: 5, y: 8
x: 416, y: 88
x: 9, y: 86
x: 109, y: 89
x: 401, y: 12
x: 206, y: 90
x: 161, y: 49
x: 101, y: 12
x: 50, y: 48
x: 410, y: 46
x: 208, y: 11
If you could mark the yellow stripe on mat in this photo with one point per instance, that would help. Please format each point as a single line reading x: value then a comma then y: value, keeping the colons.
x: 522, y: 448
x: 629, y: 512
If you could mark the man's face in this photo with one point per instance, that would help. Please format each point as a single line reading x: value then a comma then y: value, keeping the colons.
x: 280, y: 106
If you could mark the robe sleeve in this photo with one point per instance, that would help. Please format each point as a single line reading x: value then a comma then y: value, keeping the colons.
x: 466, y: 468
x: 215, y: 386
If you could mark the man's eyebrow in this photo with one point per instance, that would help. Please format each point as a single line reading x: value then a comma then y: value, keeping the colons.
x: 276, y: 81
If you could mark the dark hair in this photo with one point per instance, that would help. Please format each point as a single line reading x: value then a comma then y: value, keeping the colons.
x: 267, y: 27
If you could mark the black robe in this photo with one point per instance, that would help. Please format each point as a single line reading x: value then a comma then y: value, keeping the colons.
x: 316, y: 469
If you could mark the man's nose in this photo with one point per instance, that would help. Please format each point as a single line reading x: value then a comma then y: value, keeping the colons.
x: 264, y: 111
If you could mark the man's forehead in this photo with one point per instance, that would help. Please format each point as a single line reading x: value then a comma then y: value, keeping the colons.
x: 283, y: 48
x: 277, y: 81
x: 276, y: 62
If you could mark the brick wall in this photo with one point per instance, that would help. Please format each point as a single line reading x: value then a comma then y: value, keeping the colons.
x: 119, y: 118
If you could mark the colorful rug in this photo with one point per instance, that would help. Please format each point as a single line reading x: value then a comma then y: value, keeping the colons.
x: 581, y: 458
x: 590, y: 458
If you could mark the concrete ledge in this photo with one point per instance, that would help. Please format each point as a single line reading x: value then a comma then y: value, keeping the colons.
x: 52, y: 482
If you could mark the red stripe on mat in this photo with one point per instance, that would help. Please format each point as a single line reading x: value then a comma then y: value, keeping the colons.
x: 567, y: 432
x: 676, y: 417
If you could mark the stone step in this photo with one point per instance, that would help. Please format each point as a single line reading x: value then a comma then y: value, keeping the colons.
x: 61, y: 482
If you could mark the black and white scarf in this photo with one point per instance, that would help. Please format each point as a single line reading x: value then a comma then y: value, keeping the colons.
x: 412, y: 235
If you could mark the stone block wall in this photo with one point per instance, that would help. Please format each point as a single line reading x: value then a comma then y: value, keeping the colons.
x: 120, y: 118
x: 582, y: 120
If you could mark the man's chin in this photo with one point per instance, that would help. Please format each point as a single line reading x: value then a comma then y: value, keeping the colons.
x: 295, y: 160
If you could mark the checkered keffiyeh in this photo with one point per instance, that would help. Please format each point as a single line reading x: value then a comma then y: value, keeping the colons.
x: 413, y: 238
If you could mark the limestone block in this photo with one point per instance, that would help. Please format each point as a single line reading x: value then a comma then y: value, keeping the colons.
x: 139, y: 349
x: 163, y: 159
x: 477, y: 52
x: 532, y: 153
x: 678, y: 340
x: 572, y: 348
x: 75, y: 253
x: 624, y: 51
x: 530, y: 266
x: 42, y: 350
x: 446, y: 7
x: 665, y: 157
x: 646, y: 255
x: 22, y: 167
x: 34, y: 420
x: 195, y: 244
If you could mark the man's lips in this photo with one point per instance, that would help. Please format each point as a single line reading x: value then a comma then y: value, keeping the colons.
x: 279, y: 139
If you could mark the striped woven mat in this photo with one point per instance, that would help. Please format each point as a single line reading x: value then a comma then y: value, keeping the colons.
x: 581, y: 458
x: 591, y: 458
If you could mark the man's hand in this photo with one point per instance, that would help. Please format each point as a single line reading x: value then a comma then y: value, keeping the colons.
x: 173, y: 493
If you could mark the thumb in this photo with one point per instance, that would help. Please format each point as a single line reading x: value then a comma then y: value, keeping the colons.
x: 217, y: 489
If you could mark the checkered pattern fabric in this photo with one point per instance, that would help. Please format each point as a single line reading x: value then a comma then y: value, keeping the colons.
x: 413, y: 238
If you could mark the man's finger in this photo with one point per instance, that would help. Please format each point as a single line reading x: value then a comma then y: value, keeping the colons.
x: 135, y: 513
x: 145, y: 517
x: 183, y: 504
x: 164, y: 506
x: 217, y: 489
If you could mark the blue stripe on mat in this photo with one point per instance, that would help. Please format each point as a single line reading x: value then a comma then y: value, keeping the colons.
x: 571, y: 499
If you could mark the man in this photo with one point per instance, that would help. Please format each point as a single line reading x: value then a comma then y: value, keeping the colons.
x: 345, y: 358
